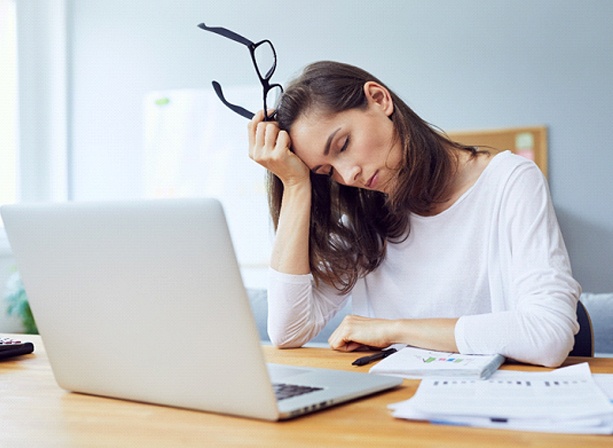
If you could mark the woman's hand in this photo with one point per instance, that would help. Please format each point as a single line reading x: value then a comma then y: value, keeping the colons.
x: 270, y: 147
x: 357, y: 332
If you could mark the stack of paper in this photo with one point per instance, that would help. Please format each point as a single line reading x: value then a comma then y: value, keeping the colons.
x: 411, y: 362
x: 565, y: 400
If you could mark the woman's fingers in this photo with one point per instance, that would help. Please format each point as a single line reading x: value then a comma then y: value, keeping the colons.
x: 270, y: 147
x: 271, y: 132
x: 283, y: 140
x: 263, y: 135
x: 357, y: 331
x: 251, y: 128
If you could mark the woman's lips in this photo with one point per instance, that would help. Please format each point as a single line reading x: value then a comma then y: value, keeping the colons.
x: 372, y: 181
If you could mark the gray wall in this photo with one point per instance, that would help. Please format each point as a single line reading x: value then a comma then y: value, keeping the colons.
x: 461, y: 64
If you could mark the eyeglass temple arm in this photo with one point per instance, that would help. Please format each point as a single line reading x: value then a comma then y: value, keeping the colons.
x: 238, y: 109
x: 227, y: 33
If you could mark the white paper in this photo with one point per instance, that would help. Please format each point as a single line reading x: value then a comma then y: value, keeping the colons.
x: 564, y: 400
x: 605, y: 382
x: 411, y: 362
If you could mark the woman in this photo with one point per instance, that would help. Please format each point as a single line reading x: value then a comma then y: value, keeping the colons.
x: 439, y: 245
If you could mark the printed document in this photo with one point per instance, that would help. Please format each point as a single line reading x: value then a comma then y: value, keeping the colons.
x: 564, y: 400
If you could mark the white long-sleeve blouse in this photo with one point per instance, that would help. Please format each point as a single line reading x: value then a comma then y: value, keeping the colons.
x: 495, y: 259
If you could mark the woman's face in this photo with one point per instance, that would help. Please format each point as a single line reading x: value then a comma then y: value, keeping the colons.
x: 357, y: 147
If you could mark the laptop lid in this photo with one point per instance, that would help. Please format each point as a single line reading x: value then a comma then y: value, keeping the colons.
x: 143, y: 300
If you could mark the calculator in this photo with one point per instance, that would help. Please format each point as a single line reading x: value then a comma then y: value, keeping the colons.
x: 13, y: 347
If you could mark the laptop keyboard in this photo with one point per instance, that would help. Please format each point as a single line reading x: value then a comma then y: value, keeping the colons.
x: 283, y: 391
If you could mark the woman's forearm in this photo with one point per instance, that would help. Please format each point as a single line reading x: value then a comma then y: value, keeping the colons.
x: 434, y: 334
x: 290, y: 253
x: 358, y: 331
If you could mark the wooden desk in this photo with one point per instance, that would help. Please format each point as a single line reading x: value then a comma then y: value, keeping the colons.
x: 35, y: 412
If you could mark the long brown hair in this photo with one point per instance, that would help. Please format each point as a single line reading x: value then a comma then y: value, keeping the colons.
x: 349, y: 226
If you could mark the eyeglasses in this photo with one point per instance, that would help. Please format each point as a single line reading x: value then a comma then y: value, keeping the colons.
x: 264, y: 58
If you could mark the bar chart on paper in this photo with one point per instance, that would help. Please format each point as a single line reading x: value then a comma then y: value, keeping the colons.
x: 457, y: 360
x: 411, y: 362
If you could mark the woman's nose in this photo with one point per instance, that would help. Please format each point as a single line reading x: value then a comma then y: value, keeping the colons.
x: 349, y: 174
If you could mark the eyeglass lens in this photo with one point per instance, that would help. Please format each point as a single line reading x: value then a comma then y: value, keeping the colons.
x: 272, y: 96
x: 265, y: 59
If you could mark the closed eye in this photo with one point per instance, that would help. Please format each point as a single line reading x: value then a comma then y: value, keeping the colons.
x: 344, y: 147
x: 331, y: 170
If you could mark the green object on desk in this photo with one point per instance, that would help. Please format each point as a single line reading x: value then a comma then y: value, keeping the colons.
x: 18, y: 304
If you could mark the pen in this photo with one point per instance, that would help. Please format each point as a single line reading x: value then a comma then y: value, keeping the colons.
x: 377, y: 356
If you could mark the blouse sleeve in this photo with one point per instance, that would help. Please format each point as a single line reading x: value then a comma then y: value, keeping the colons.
x: 534, y: 296
x: 297, y: 310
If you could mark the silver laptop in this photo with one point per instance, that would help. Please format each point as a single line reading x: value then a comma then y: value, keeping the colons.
x: 143, y: 300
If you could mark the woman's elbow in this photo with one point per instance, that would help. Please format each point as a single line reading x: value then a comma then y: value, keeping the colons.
x: 552, y: 351
x: 291, y: 333
x: 282, y: 338
x: 283, y: 342
x: 550, y: 337
x: 553, y: 356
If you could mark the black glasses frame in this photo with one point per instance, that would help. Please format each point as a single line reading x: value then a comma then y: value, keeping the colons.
x: 264, y: 78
